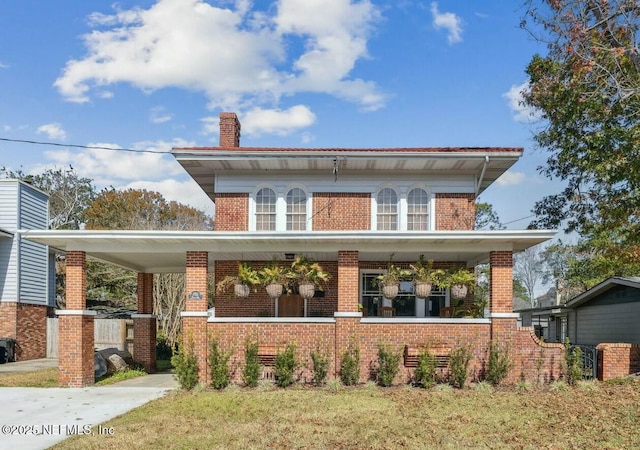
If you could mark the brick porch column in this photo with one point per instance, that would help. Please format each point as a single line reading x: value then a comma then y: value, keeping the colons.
x: 144, y: 325
x: 194, y: 318
x: 75, y: 327
x: 504, y: 322
x: 347, y: 317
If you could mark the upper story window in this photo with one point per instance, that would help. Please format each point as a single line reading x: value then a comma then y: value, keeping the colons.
x: 387, y: 209
x: 296, y: 210
x: 266, y: 210
x: 417, y: 210
x: 280, y: 208
x: 403, y: 208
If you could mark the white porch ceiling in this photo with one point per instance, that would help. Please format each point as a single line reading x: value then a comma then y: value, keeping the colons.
x: 165, y: 251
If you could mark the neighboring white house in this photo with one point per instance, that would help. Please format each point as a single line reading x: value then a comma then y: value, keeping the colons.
x: 26, y: 271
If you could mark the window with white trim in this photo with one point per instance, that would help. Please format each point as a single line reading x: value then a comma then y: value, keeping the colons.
x: 296, y: 210
x: 266, y: 210
x: 417, y: 210
x: 387, y: 210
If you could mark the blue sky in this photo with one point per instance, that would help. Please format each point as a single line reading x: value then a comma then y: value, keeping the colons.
x: 150, y: 75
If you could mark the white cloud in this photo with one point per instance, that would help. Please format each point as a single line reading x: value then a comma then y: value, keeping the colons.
x: 449, y: 21
x: 275, y: 121
x: 159, y: 115
x: 3, y: 66
x: 52, y: 131
x: 239, y: 58
x: 510, y: 178
x: 521, y: 112
x: 115, y: 167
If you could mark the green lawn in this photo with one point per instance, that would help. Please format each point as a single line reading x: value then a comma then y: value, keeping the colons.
x: 596, y: 415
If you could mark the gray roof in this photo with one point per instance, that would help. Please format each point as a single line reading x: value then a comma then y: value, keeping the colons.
x: 633, y: 282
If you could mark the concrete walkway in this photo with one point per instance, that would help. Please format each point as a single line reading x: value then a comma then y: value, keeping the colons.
x: 37, y: 418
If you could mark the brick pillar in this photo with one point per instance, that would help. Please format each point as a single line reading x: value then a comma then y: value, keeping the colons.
x: 75, y: 327
x: 194, y: 319
x: 504, y: 322
x: 144, y: 325
x: 347, y: 317
x: 348, y: 280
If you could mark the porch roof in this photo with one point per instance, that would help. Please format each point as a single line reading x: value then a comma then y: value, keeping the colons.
x: 165, y: 251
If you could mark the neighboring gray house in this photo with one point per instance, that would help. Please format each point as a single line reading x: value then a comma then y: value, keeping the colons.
x: 26, y: 270
x: 607, y: 313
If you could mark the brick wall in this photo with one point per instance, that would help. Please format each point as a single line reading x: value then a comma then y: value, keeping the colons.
x: 348, y: 280
x: 8, y: 315
x: 76, y: 280
x: 455, y: 212
x: 232, y: 212
x: 196, y: 280
x: 341, y: 211
x: 145, y: 293
x: 31, y: 340
x: 144, y: 342
x: 616, y: 360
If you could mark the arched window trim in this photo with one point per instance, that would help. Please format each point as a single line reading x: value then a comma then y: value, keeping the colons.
x: 253, y: 206
x: 374, y: 210
x: 281, y: 193
x: 307, y: 206
x: 402, y: 193
x: 430, y: 204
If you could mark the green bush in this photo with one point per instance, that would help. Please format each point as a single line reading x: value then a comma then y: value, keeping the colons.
x: 163, y: 347
x: 219, y: 364
x: 499, y: 363
x: 186, y: 365
x: 350, y: 365
x: 573, y: 360
x: 251, y: 371
x: 320, y: 360
x: 388, y: 365
x: 425, y: 373
x: 285, y: 366
x: 459, y: 365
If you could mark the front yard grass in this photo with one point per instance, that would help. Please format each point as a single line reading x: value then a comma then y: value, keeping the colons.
x: 38, y: 378
x: 602, y: 416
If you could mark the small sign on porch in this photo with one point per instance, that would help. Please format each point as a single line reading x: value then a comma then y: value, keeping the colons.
x: 195, y: 295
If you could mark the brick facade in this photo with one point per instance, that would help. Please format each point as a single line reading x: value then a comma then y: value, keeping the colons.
x: 341, y: 211
x: 27, y: 324
x: 348, y: 281
x: 455, y: 211
x: 229, y: 130
x: 144, y: 325
x: 232, y: 212
x: 501, y: 282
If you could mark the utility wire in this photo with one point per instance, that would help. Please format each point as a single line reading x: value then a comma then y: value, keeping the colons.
x: 90, y: 147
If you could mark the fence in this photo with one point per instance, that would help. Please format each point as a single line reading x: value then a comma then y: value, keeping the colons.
x: 107, y: 333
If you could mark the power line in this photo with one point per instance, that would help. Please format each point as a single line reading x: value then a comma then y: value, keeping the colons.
x: 89, y: 147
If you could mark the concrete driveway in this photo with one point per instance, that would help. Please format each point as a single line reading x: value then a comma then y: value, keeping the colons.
x: 37, y: 418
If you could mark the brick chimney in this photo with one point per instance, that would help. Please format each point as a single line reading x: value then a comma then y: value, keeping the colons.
x: 229, y: 130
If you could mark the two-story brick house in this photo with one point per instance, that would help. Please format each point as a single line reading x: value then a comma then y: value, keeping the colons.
x: 349, y: 209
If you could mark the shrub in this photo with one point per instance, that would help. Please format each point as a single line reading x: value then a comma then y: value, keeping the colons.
x: 219, y: 364
x: 186, y: 365
x: 350, y: 365
x: 573, y: 360
x: 163, y: 347
x: 459, y: 365
x: 285, y: 366
x: 499, y: 363
x: 425, y: 373
x: 251, y: 371
x: 388, y: 365
x: 320, y: 360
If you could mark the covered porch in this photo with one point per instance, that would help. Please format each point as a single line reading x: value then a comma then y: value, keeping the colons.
x: 331, y: 320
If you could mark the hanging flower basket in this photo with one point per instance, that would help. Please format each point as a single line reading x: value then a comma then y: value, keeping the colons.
x: 241, y: 290
x: 274, y: 290
x: 390, y: 291
x: 459, y: 291
x: 422, y: 289
x: 307, y: 290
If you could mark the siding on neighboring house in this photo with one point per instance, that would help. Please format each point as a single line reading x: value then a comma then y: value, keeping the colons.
x: 612, y: 317
x: 34, y: 258
x: 24, y: 265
